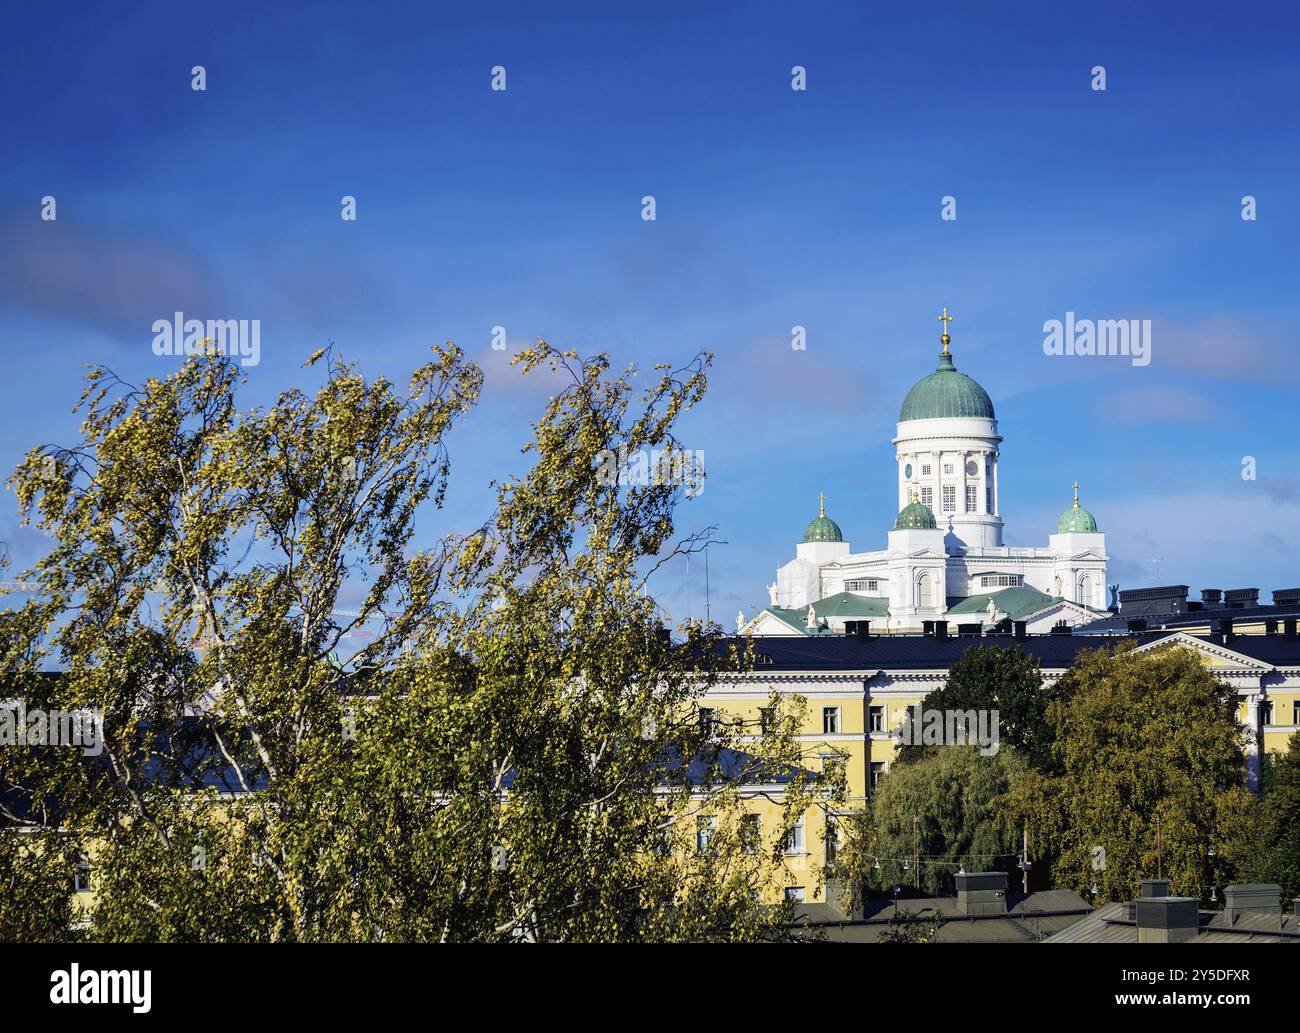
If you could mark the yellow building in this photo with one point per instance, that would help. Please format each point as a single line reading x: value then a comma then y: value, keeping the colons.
x: 858, y: 688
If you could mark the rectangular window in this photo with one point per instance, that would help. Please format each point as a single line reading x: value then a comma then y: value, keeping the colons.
x: 950, y: 498
x: 1001, y: 580
x: 862, y: 585
x: 751, y: 833
x: 833, y: 765
x: 794, y: 894
x: 1295, y: 712
x: 988, y: 499
x: 925, y: 470
x: 878, y: 719
x: 877, y: 772
x: 947, y: 467
x: 1266, y: 712
x: 704, y: 830
x: 972, y: 497
x: 832, y: 840
x: 81, y: 878
x: 794, y: 838
x: 766, y: 717
x: 830, y: 720
x: 708, y: 720
x: 927, y: 498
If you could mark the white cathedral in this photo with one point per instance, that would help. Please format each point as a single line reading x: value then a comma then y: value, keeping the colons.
x: 944, y: 559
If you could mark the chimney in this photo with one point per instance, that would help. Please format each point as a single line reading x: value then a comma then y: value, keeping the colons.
x: 1289, y: 629
x: 1136, y: 624
x: 1264, y: 897
x: 1270, y: 626
x: 863, y: 631
x: 1167, y: 919
x: 1286, y: 596
x: 1019, y: 630
x: 1136, y: 602
x: 1241, y: 598
x: 970, y: 630
x: 1211, y: 598
x: 940, y: 629
x: 850, y: 629
x: 982, y: 893
x: 1155, y: 887
x: 1223, y: 629
x: 927, y: 629
x: 1062, y: 629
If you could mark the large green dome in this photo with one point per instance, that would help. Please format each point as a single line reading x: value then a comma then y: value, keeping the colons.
x: 822, y: 528
x: 946, y: 394
x: 1076, y: 518
x: 915, y: 517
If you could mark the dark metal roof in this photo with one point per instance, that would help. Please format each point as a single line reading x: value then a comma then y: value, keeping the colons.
x: 844, y: 652
x: 1029, y: 918
x: 1192, y: 618
x: 1111, y: 923
x: 921, y: 652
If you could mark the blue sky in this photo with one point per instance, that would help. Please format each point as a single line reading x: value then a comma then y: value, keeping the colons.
x: 774, y: 208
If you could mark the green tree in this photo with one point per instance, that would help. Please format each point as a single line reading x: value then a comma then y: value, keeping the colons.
x: 1149, y: 753
x: 937, y: 807
x: 1001, y: 678
x: 512, y: 754
x: 1266, y: 843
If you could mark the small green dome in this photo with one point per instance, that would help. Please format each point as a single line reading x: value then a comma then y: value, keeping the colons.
x: 1076, y: 518
x: 822, y: 528
x: 946, y: 394
x: 915, y: 517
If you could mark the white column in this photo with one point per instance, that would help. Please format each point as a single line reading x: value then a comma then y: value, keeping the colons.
x: 961, y: 481
x: 997, y: 502
x: 1253, y: 737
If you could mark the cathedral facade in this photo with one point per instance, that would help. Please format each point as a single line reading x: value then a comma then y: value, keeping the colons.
x: 944, y: 557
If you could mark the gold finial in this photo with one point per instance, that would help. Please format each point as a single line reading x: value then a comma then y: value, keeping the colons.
x: 821, y: 504
x: 945, y: 319
x: 915, y: 495
x: 1076, y: 494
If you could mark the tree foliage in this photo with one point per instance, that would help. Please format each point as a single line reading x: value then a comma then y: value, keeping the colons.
x: 513, y: 752
x: 935, y: 811
x: 1149, y: 767
x: 1001, y: 678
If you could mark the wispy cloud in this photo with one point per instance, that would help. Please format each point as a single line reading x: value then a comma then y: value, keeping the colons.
x: 114, y: 282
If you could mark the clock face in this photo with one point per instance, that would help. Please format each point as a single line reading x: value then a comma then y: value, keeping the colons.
x: 907, y: 471
x: 972, y: 469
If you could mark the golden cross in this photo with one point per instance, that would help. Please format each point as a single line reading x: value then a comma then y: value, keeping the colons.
x: 821, y: 499
x: 1076, y: 493
x: 945, y: 319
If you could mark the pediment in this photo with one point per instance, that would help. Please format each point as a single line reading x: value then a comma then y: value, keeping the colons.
x: 1215, y: 653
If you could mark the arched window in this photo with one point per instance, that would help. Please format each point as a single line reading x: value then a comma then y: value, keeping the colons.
x: 923, y: 586
x: 1085, y: 590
